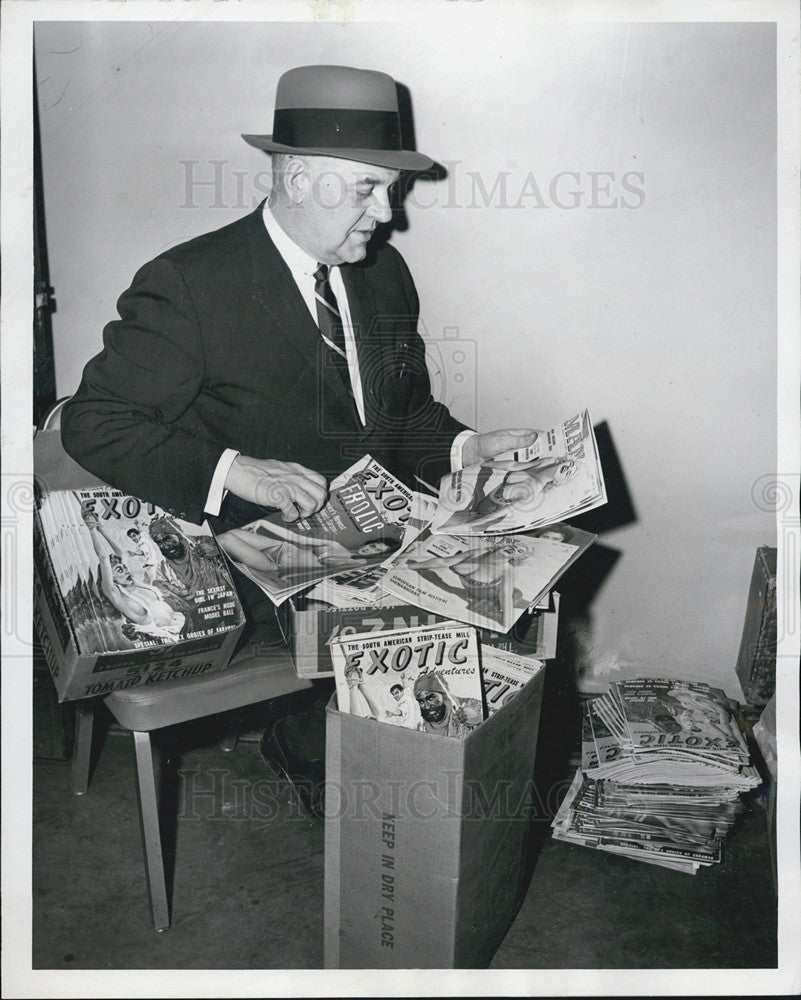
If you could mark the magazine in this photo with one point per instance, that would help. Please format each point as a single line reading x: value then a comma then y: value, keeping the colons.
x: 425, y: 678
x: 130, y: 575
x: 359, y: 527
x: 489, y: 582
x: 558, y: 476
x: 662, y: 765
x: 352, y: 589
x: 363, y: 587
x: 503, y: 674
x: 671, y: 715
x: 600, y: 746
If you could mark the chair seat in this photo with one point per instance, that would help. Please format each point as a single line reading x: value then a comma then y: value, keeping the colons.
x: 248, y: 679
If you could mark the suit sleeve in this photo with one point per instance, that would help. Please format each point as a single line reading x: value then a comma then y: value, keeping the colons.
x: 129, y: 421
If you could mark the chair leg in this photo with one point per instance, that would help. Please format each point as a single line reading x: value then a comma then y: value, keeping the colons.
x: 230, y: 740
x: 151, y: 834
x: 84, y: 724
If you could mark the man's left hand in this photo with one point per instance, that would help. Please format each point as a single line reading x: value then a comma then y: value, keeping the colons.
x: 483, y: 447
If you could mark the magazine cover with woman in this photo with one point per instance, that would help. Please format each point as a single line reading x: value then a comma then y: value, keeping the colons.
x: 360, y: 526
x: 558, y: 476
x: 132, y: 576
x: 489, y: 582
x: 667, y: 714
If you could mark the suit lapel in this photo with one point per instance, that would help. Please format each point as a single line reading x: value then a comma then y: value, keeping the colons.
x: 374, y: 342
x: 362, y: 305
x: 276, y: 292
x: 361, y: 301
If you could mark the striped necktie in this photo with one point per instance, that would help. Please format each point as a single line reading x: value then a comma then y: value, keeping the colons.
x: 328, y: 317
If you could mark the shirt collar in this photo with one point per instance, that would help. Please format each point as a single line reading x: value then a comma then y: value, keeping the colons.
x: 296, y: 259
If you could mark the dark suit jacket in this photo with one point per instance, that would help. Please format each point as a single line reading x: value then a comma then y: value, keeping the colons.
x: 215, y: 348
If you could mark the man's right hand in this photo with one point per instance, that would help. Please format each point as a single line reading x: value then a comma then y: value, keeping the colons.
x: 294, y: 490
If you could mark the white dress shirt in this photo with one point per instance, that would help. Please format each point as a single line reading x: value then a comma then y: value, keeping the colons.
x: 302, y: 268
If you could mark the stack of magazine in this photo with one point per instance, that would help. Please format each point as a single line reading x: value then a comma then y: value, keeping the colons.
x: 663, y: 764
x: 130, y: 576
x: 490, y: 547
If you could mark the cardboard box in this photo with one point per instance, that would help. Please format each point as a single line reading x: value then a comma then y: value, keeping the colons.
x: 79, y: 673
x: 756, y: 662
x: 425, y: 838
x: 309, y: 627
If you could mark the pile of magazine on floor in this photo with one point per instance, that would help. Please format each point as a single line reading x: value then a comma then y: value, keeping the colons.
x: 488, y: 549
x: 663, y: 763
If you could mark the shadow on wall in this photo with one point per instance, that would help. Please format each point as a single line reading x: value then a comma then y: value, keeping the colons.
x: 559, y: 742
x: 582, y: 582
x: 400, y: 221
x: 619, y: 508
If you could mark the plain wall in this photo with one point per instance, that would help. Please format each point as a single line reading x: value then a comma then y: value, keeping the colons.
x: 605, y: 238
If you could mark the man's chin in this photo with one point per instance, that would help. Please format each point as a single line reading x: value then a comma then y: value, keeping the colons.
x: 354, y: 252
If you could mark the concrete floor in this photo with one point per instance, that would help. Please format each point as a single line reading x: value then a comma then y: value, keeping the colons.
x: 248, y: 875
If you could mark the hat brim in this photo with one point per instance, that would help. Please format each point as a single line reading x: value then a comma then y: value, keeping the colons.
x: 397, y: 159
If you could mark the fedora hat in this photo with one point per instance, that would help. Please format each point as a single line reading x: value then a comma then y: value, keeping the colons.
x: 339, y: 111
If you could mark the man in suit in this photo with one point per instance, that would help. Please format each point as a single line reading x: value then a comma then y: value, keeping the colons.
x: 252, y: 364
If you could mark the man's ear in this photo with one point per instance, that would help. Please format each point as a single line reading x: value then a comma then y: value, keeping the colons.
x: 295, y: 179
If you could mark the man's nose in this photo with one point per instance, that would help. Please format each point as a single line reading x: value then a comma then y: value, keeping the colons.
x: 380, y: 207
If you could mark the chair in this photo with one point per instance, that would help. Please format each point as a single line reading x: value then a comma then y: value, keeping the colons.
x: 52, y: 419
x: 258, y: 672
x: 255, y: 674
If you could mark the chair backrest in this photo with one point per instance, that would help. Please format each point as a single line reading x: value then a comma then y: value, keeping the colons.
x: 52, y: 419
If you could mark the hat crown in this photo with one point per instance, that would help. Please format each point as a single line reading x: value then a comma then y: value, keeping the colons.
x: 339, y: 111
x: 336, y: 87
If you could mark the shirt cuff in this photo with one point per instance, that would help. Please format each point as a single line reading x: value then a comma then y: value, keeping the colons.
x: 458, y: 447
x: 217, y: 489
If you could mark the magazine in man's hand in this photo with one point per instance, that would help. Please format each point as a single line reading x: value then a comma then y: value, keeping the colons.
x: 557, y: 477
x: 359, y: 528
x: 487, y: 582
x: 424, y: 678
